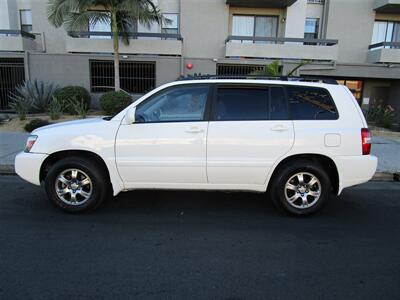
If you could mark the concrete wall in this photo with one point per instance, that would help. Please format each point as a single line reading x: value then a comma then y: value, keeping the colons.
x: 295, y: 19
x: 383, y: 56
x: 351, y: 22
x: 73, y: 69
x: 204, y: 27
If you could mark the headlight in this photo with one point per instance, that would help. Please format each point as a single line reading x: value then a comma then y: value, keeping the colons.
x: 30, y: 142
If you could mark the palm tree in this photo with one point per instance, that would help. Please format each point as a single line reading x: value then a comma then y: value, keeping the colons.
x: 273, y: 69
x: 76, y: 15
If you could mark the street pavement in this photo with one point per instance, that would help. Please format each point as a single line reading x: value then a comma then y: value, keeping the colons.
x: 199, y: 245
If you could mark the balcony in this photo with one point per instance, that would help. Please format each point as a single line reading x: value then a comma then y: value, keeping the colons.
x: 387, y: 6
x: 281, y: 48
x: 385, y: 52
x: 139, y: 43
x: 261, y: 3
x: 17, y: 41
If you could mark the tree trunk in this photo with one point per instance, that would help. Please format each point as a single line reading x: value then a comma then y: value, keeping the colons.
x: 116, y: 51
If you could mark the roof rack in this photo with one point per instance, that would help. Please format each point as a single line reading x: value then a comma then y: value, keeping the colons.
x: 260, y: 77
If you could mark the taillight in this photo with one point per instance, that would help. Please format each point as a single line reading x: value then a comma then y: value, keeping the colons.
x: 365, y: 141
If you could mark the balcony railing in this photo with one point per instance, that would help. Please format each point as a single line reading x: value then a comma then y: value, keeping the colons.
x: 19, y: 40
x: 139, y: 43
x: 12, y: 32
x: 283, y: 40
x: 261, y: 3
x: 281, y: 48
x: 386, y: 45
x: 384, y: 52
x: 131, y: 35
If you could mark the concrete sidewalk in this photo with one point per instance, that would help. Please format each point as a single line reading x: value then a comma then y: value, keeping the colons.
x: 385, y: 148
x: 10, y: 144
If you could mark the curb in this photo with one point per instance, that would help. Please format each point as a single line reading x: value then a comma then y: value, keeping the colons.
x: 378, y: 176
x: 386, y: 176
x: 7, y: 169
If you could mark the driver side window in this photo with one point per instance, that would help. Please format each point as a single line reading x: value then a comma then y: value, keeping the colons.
x: 176, y: 104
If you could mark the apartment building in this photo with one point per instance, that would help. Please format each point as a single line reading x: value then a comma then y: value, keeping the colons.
x: 356, y: 42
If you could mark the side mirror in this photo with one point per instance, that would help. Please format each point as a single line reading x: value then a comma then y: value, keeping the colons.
x: 130, y: 116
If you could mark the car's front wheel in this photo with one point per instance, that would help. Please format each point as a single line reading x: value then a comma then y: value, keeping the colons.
x: 76, y: 185
x: 301, y: 188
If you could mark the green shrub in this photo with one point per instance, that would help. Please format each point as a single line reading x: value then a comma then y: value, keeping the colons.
x: 38, y: 93
x: 78, y: 107
x: 113, y: 102
x: 55, y: 109
x: 70, y: 95
x: 383, y: 116
x: 21, y: 105
x: 35, y: 123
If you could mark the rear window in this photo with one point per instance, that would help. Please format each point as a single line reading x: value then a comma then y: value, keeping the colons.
x: 309, y: 103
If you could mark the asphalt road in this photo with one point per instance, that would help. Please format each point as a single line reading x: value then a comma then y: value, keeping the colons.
x: 199, y: 245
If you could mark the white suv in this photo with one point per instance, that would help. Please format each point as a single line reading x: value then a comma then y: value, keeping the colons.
x: 298, y: 141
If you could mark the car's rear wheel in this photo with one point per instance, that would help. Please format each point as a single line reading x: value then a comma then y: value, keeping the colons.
x: 76, y: 185
x: 301, y: 188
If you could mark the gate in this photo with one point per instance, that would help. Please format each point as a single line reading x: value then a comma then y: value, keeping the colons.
x: 12, y: 73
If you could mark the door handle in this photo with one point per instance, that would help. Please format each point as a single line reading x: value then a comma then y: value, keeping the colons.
x: 279, y: 127
x: 194, y: 130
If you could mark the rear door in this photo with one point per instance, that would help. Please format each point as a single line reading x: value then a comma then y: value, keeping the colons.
x: 248, y: 131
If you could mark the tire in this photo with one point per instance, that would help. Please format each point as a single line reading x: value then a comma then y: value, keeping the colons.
x: 291, y: 196
x: 76, y: 193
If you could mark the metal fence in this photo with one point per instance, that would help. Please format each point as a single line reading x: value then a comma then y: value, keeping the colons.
x: 136, y: 77
x: 237, y: 69
x: 12, y: 73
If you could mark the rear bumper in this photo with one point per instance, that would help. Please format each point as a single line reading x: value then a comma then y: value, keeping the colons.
x: 355, y: 170
x: 27, y: 166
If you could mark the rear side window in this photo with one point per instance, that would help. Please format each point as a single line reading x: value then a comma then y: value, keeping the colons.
x: 309, y: 103
x: 241, y: 103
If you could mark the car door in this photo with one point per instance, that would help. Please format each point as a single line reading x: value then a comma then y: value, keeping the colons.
x: 167, y: 143
x: 248, y: 131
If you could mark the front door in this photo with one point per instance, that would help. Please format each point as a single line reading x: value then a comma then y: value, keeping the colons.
x: 167, y: 143
x: 248, y: 131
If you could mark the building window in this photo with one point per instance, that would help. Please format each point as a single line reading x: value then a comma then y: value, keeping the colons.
x: 386, y: 31
x: 355, y: 86
x: 12, y: 74
x: 311, y: 28
x: 26, y: 20
x: 255, y: 26
x: 135, y: 77
x: 101, y: 27
x: 172, y: 26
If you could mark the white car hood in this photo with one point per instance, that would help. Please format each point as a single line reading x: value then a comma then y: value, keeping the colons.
x: 68, y: 124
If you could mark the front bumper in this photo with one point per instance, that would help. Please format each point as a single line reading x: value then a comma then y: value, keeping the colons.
x: 355, y: 170
x: 27, y: 166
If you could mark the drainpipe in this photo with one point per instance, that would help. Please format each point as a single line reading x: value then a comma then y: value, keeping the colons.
x: 182, y: 62
x: 325, y: 13
x: 26, y: 66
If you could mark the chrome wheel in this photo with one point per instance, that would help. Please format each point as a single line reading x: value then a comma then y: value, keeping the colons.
x: 73, y: 186
x: 302, y: 190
